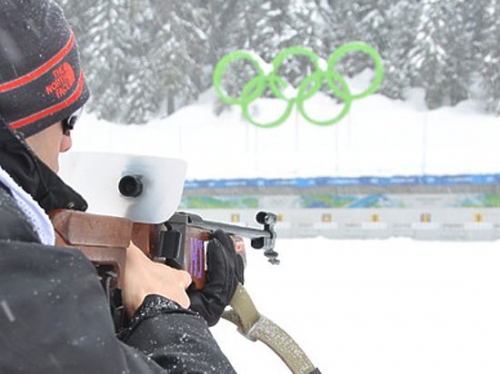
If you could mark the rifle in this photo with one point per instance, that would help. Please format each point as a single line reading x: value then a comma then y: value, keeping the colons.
x: 179, y: 242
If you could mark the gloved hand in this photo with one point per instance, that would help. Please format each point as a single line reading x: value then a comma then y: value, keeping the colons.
x: 225, y: 269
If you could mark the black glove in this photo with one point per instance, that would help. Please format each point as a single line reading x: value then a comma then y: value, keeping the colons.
x: 225, y: 270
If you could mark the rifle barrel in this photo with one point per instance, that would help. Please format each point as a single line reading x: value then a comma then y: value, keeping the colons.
x: 247, y: 232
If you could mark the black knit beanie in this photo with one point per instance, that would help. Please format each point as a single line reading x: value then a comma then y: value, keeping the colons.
x: 41, y: 81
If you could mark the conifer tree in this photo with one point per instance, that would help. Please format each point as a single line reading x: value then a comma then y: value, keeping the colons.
x: 459, y: 51
x: 146, y: 58
x: 345, y: 28
x: 490, y: 53
x: 428, y: 57
x: 402, y: 17
x: 106, y: 31
x: 178, y: 50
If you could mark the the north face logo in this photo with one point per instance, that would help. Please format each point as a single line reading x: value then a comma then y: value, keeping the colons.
x: 64, y: 79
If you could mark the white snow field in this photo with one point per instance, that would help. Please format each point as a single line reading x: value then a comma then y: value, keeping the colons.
x: 388, y: 306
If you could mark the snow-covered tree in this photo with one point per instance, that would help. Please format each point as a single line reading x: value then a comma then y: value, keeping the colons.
x: 177, y: 49
x: 146, y: 58
x: 345, y: 27
x: 402, y: 17
x: 141, y: 56
x: 428, y: 57
x: 490, y: 53
x: 107, y: 36
x: 460, y: 51
x: 267, y: 28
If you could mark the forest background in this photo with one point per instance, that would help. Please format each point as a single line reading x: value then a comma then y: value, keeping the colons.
x: 145, y: 59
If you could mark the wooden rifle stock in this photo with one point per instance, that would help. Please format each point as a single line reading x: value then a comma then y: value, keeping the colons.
x: 102, y: 239
x: 179, y: 242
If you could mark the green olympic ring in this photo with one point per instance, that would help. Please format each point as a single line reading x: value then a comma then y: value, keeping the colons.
x: 307, y: 88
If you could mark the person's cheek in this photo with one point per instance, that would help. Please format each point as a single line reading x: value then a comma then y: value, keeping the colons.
x: 66, y: 143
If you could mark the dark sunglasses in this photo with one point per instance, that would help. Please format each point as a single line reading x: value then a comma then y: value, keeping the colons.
x: 68, y: 124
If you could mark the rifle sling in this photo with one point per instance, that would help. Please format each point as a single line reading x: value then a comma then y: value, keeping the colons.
x: 255, y: 326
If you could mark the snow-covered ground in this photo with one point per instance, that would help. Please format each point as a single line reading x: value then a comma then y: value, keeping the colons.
x: 392, y: 306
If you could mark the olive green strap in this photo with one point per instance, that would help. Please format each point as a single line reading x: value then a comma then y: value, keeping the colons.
x: 255, y: 327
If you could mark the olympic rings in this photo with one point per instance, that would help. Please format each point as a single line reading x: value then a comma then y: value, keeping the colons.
x: 279, y: 87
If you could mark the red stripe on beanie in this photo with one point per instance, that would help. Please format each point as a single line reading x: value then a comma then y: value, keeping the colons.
x: 35, y: 74
x: 56, y: 108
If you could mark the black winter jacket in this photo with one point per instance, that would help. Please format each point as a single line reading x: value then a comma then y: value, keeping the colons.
x: 54, y: 315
